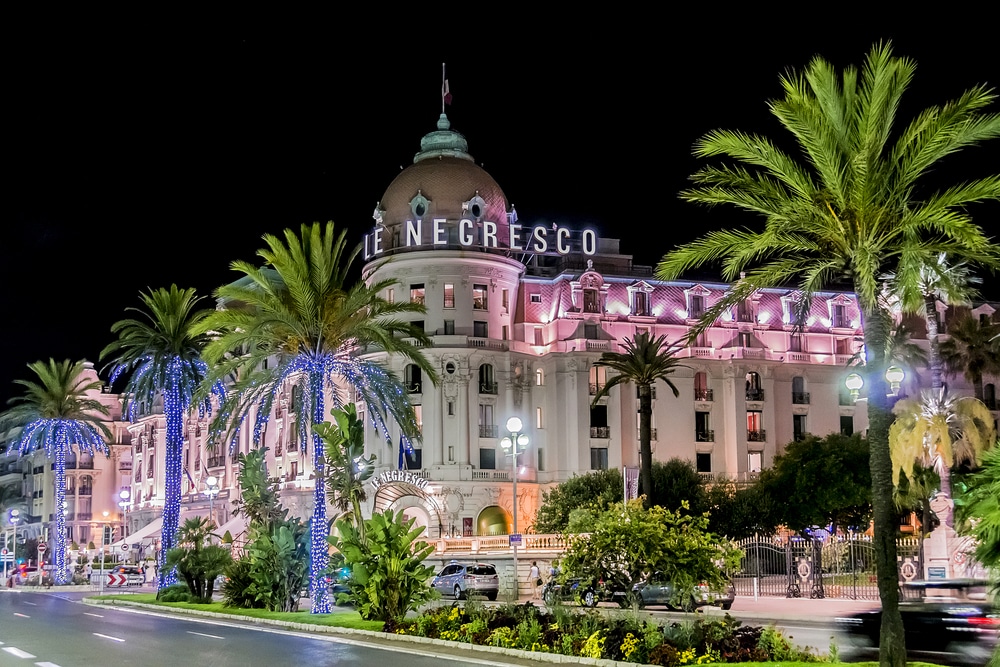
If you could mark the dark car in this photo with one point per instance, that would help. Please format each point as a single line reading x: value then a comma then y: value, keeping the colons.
x: 659, y: 590
x: 948, y: 621
x: 587, y: 593
x: 340, y: 582
x: 460, y: 580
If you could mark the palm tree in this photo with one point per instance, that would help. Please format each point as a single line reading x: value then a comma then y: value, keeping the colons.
x: 644, y: 361
x: 55, y: 415
x: 939, y: 430
x: 300, y: 313
x: 938, y: 280
x: 853, y: 210
x: 972, y: 350
x: 347, y: 468
x: 162, y: 352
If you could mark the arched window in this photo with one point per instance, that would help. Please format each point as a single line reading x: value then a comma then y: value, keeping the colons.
x: 754, y: 391
x: 412, y: 378
x: 539, y: 377
x: 487, y: 380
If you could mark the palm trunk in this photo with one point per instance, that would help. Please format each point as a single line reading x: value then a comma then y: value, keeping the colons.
x: 173, y: 410
x: 934, y: 356
x: 61, y: 570
x: 892, y: 647
x: 977, y: 386
x: 645, y: 447
x: 359, y: 520
x: 318, y: 592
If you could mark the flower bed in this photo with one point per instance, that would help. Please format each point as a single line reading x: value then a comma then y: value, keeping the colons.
x: 627, y: 637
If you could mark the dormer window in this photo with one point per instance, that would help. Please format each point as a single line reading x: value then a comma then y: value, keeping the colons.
x: 789, y: 308
x: 591, y: 301
x: 696, y: 298
x: 419, y: 205
x: 475, y: 207
x: 744, y: 312
x: 639, y: 299
x: 839, y: 310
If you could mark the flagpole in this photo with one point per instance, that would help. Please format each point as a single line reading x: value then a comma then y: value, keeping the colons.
x: 625, y: 484
x: 443, y: 79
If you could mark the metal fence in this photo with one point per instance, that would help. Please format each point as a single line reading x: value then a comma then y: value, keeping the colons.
x: 833, y: 567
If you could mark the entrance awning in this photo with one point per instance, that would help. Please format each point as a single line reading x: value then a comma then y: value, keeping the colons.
x: 236, y: 527
x: 151, y: 531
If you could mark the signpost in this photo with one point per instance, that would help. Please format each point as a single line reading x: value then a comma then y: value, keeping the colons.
x: 7, y: 557
x: 515, y: 538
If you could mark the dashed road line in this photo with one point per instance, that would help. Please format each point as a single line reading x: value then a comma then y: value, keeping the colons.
x: 17, y: 613
x: 87, y: 613
x: 17, y: 653
x: 46, y: 664
x: 114, y: 639
x: 202, y: 634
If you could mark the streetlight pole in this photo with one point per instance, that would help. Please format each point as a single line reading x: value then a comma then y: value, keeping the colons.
x: 14, y: 516
x: 123, y: 497
x: 513, y: 445
x: 213, y: 489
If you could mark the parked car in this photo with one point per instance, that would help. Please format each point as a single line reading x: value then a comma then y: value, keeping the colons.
x: 948, y: 621
x: 587, y: 593
x: 659, y: 590
x: 459, y: 580
x: 340, y: 582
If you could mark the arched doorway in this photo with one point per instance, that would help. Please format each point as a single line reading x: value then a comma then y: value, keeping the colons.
x: 404, y: 494
x: 493, y: 520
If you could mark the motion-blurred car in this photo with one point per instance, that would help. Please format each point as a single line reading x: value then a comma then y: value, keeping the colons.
x: 947, y: 621
x: 658, y: 590
x: 587, y: 593
x: 459, y: 580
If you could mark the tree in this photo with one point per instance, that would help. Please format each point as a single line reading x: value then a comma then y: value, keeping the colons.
x: 821, y: 481
x: 388, y: 575
x: 297, y: 322
x: 629, y: 542
x: 196, y: 559
x: 982, y: 510
x: 737, y: 512
x: 161, y: 352
x: 644, y: 361
x: 55, y: 415
x: 971, y: 349
x: 347, y: 468
x: 856, y: 210
x: 939, y: 430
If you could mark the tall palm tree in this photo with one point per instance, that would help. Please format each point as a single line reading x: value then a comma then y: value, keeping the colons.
x: 854, y: 209
x: 300, y: 313
x: 644, y: 361
x: 161, y: 352
x: 938, y: 279
x: 939, y: 430
x: 972, y: 349
x: 55, y: 415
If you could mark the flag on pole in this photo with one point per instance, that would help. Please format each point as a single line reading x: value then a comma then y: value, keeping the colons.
x: 446, y: 92
x: 630, y: 477
x: 402, y: 456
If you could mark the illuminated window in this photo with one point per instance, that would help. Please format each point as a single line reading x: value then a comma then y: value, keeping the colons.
x: 539, y: 377
x: 480, y: 297
x: 505, y: 300
x: 538, y: 418
x: 449, y: 295
x: 390, y: 295
x: 641, y: 306
x: 539, y: 336
x: 754, y: 461
x: 536, y: 298
x: 417, y: 293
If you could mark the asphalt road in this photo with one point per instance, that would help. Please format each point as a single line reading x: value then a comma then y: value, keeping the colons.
x: 53, y: 630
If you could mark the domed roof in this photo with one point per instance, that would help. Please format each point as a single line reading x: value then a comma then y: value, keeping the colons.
x: 445, y: 175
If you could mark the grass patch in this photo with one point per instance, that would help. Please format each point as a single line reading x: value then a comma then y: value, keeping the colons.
x: 348, y: 618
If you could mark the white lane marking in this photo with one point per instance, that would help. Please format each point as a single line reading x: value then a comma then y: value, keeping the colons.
x: 114, y: 639
x: 46, y: 664
x: 18, y: 653
x: 87, y: 613
x: 33, y: 604
x: 202, y: 634
x: 17, y: 613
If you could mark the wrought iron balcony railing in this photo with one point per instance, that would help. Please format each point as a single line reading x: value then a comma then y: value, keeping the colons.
x: 600, y: 432
x: 489, y: 431
x: 703, y: 395
x: 704, y: 436
x: 755, y: 394
x: 800, y: 397
x: 757, y: 436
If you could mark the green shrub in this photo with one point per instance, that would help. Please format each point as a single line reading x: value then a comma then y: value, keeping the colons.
x: 175, y: 593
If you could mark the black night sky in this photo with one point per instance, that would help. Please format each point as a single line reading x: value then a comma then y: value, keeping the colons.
x: 139, y: 158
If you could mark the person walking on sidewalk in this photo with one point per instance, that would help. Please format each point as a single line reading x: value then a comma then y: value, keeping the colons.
x: 535, y: 577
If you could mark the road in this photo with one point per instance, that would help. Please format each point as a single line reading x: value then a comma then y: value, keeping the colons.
x: 52, y: 630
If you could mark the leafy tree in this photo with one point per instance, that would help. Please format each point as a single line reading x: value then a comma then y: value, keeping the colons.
x: 939, y: 430
x: 388, y: 575
x: 644, y: 361
x: 821, y: 481
x: 299, y: 312
x: 629, y: 542
x: 196, y: 559
x: 971, y: 349
x: 855, y: 210
x: 274, y: 567
x: 737, y: 511
x: 347, y: 468
x: 981, y: 510
x: 161, y: 350
x: 55, y: 415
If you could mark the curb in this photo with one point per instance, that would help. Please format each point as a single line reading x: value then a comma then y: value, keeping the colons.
x: 537, y: 656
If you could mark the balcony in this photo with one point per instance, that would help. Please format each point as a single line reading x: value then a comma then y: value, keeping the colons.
x: 217, y: 461
x: 703, y: 395
x: 704, y: 436
x: 293, y: 447
x: 600, y: 432
x: 755, y: 395
x: 594, y: 387
x: 85, y: 491
x: 800, y: 397
x: 652, y: 392
x: 124, y: 466
x: 278, y: 451
x: 84, y: 516
x: 86, y: 465
x: 757, y: 436
x: 491, y: 475
x: 416, y: 388
x: 488, y: 388
x: 798, y: 437
x: 489, y: 431
x: 652, y: 434
x: 149, y: 473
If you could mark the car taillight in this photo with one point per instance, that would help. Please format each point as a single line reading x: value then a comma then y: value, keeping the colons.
x: 470, y: 576
x: 985, y: 621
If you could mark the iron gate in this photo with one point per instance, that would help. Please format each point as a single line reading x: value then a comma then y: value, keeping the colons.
x: 840, y: 567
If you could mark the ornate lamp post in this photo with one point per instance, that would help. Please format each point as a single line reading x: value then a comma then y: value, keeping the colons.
x: 513, y: 445
x: 123, y: 501
x: 211, y: 490
x: 894, y: 375
x: 13, y: 517
x: 854, y: 383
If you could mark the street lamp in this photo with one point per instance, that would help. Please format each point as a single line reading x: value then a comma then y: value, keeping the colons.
x: 123, y: 497
x: 212, y: 491
x: 894, y: 375
x: 854, y: 383
x: 513, y: 445
x: 13, y: 516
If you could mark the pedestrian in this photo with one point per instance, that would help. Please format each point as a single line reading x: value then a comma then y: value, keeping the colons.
x: 535, y: 577
x: 88, y: 571
x: 554, y: 570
